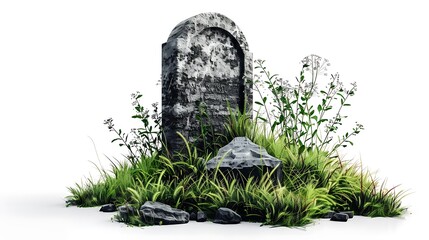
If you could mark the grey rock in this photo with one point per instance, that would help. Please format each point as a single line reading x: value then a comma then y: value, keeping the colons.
x: 108, y: 208
x: 201, y: 216
x: 226, y: 216
x: 328, y: 215
x: 245, y: 156
x: 349, y: 213
x: 192, y: 216
x: 205, y: 61
x: 162, y: 214
x: 340, y: 217
x: 125, y: 212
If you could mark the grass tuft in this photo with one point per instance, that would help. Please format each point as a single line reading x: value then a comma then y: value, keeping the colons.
x: 313, y: 185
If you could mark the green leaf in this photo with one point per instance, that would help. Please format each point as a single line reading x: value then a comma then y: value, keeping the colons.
x: 319, y: 108
x: 263, y: 119
x: 264, y: 99
x: 314, y: 133
x: 301, y: 149
x: 295, y: 92
x: 322, y: 120
x: 302, y: 110
x: 281, y: 118
x: 259, y: 103
x: 273, y: 127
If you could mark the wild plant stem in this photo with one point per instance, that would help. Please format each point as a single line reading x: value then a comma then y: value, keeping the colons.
x: 265, y: 106
x: 133, y: 156
x: 335, y: 119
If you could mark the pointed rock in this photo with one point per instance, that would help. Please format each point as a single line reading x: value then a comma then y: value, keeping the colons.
x: 242, y: 157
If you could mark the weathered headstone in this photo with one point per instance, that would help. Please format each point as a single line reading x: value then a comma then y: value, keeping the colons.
x: 205, y: 61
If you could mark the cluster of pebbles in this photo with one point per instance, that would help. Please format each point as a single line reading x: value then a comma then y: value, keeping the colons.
x: 156, y: 213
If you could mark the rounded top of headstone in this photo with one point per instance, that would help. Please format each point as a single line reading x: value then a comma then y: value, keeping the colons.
x: 196, y: 24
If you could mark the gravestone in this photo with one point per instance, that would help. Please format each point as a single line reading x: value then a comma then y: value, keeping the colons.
x: 205, y: 63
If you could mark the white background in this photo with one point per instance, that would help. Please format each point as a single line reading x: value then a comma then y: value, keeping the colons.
x: 65, y: 66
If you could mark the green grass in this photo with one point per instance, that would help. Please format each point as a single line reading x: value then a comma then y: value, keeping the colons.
x: 314, y: 180
x: 313, y: 184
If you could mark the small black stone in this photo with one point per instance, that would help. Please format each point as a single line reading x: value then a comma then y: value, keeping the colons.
x: 192, y: 216
x: 125, y: 212
x: 201, y: 216
x: 108, y: 208
x: 328, y: 215
x: 340, y: 217
x: 349, y: 213
x: 226, y: 216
